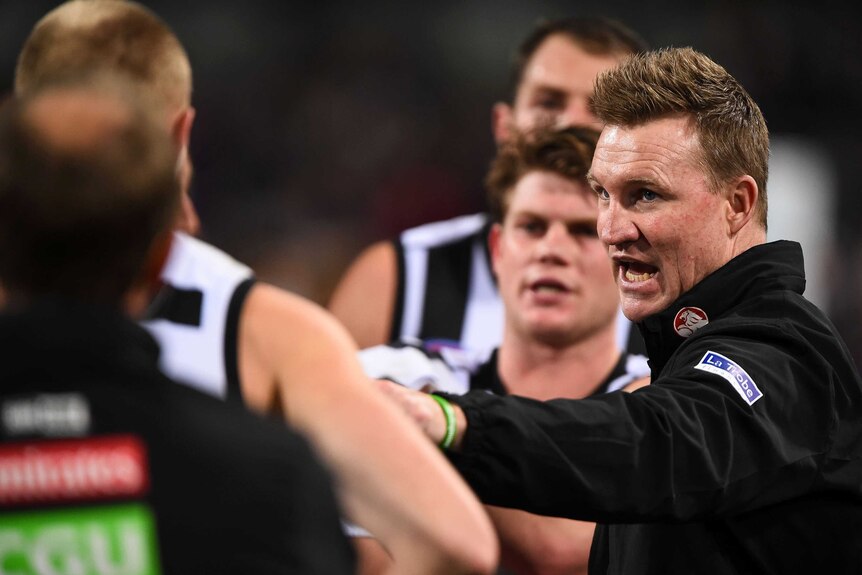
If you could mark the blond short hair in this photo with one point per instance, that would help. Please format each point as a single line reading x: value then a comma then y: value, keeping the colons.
x: 118, y: 36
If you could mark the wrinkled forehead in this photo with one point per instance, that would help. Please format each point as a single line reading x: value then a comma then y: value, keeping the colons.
x: 668, y: 142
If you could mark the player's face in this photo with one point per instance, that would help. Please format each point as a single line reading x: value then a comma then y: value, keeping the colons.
x: 664, y: 227
x: 556, y: 84
x: 554, y: 275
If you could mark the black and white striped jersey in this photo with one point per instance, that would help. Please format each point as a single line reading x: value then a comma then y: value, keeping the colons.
x: 195, y: 316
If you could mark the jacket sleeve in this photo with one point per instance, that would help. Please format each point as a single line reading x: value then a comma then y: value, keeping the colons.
x: 688, y: 446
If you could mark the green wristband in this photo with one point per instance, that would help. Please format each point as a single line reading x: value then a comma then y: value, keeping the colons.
x: 449, y: 413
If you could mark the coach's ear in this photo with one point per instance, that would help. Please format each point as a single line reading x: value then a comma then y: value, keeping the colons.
x: 741, y: 203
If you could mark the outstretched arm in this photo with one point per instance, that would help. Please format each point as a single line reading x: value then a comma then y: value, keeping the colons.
x: 425, y: 412
x: 529, y: 544
x: 390, y: 479
x: 364, y: 299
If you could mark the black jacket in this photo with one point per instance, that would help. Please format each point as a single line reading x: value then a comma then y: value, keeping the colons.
x: 744, y: 455
x: 131, y: 469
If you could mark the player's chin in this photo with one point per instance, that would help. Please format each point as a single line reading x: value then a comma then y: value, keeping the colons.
x: 557, y: 333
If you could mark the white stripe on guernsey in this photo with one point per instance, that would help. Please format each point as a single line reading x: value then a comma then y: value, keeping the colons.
x: 482, y: 329
x: 636, y: 368
x: 437, y: 233
x: 415, y: 270
x: 195, y: 354
x: 416, y: 242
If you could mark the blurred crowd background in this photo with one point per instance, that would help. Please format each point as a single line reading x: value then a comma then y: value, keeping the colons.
x: 323, y: 126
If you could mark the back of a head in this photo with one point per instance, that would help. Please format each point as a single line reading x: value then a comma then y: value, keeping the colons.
x: 597, y: 35
x: 117, y: 36
x: 87, y: 183
x: 732, y: 131
x: 567, y: 153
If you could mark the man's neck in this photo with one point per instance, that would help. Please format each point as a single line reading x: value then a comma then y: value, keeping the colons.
x: 541, y: 371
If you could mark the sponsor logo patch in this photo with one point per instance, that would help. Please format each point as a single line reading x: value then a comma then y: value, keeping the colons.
x: 731, y: 371
x: 688, y: 320
x: 94, y: 468
x: 112, y: 540
x: 52, y: 415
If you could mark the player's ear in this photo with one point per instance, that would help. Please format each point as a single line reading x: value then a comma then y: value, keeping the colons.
x: 181, y: 128
x: 501, y: 122
x: 494, y: 244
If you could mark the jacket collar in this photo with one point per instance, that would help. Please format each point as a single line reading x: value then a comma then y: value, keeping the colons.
x: 766, y: 267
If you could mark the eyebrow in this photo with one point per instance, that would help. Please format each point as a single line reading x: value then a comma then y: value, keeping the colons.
x: 551, y: 90
x: 648, y: 182
x: 536, y: 215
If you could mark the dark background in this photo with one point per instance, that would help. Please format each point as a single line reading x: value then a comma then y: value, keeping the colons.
x: 323, y: 126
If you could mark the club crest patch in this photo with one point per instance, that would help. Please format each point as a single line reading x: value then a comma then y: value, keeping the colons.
x: 728, y: 369
x: 688, y: 320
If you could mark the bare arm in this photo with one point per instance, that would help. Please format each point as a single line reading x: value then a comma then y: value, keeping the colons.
x: 364, y: 299
x: 390, y: 479
x: 536, y: 545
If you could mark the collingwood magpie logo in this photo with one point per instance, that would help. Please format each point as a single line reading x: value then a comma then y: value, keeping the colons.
x: 688, y: 320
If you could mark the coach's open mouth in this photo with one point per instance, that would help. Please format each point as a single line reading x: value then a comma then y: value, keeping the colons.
x: 637, y: 272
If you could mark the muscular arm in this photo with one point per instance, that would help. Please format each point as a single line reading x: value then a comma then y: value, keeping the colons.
x: 390, y: 479
x: 364, y: 299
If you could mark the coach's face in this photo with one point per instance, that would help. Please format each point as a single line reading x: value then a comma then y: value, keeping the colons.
x: 664, y: 228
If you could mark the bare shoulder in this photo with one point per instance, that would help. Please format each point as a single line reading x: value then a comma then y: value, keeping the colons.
x: 364, y: 299
x: 287, y: 341
x: 290, y: 324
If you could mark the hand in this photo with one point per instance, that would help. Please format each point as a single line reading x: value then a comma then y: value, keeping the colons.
x: 424, y: 411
